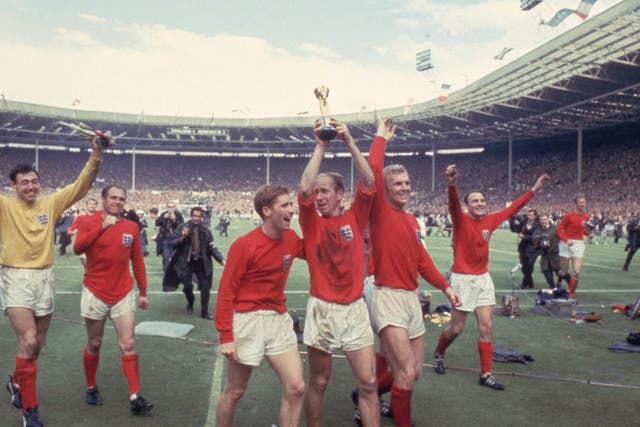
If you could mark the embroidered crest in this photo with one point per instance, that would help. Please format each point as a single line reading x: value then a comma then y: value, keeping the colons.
x: 43, y: 218
x: 486, y: 234
x: 127, y: 240
x: 286, y: 262
x: 346, y: 232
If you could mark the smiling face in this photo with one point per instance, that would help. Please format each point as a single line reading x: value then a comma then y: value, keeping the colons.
x: 328, y: 199
x: 279, y: 214
x: 27, y: 186
x: 581, y: 205
x: 113, y: 202
x: 476, y: 204
x: 398, y: 186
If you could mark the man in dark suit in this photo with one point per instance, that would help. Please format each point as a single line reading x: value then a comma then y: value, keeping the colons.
x: 194, y: 250
x: 633, y: 236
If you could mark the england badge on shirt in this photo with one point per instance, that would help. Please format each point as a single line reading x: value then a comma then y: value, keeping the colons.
x: 346, y: 232
x: 127, y: 240
x: 43, y: 218
x: 486, y: 234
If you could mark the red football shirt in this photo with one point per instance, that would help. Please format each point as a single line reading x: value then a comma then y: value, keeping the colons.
x: 398, y: 254
x: 109, y: 253
x: 335, y: 248
x: 573, y: 226
x: 254, y: 276
x: 471, y: 236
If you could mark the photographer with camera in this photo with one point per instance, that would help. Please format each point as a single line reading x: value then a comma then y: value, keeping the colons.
x: 192, y: 243
x: 545, y: 240
x: 526, y: 250
x: 167, y: 223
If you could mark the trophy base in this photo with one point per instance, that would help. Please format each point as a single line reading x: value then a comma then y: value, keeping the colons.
x: 328, y: 133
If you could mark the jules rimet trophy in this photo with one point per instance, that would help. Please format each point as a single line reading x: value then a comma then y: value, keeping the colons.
x: 327, y: 132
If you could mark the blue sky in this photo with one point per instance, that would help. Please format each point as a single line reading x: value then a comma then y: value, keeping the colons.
x: 257, y: 58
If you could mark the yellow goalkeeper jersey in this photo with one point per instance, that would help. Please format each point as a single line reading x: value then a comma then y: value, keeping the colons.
x: 27, y: 231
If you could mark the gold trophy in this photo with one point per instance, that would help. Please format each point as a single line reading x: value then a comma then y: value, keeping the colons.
x: 327, y: 132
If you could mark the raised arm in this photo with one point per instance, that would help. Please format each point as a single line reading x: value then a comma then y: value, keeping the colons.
x: 308, y: 180
x: 542, y: 179
x: 359, y: 162
x: 455, y: 207
x: 377, y: 149
x: 81, y: 186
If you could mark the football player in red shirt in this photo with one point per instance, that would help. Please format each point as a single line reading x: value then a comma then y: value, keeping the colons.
x: 251, y: 315
x: 337, y: 316
x: 112, y: 243
x: 399, y: 256
x: 571, y: 231
x: 470, y: 271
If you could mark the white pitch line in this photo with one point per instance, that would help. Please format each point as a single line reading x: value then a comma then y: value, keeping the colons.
x: 216, y: 388
x: 605, y: 267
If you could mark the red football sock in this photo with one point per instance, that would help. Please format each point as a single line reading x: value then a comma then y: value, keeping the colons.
x: 130, y: 369
x: 385, y: 381
x: 381, y: 364
x: 573, y: 285
x: 401, y: 406
x: 91, y: 361
x: 26, y: 372
x: 485, y: 348
x: 443, y: 343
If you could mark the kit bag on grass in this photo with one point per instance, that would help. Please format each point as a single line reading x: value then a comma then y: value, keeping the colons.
x: 634, y: 338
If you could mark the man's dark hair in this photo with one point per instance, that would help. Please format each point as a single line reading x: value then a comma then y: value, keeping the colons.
x: 106, y: 189
x: 153, y: 211
x: 466, y: 196
x: 22, y: 168
x: 196, y: 209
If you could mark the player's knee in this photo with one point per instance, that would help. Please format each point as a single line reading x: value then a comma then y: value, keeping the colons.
x: 319, y: 382
x: 94, y: 344
x: 235, y: 392
x: 455, y: 330
x: 406, y: 377
x: 127, y: 345
x: 295, y: 390
x: 29, y: 344
x: 368, y: 386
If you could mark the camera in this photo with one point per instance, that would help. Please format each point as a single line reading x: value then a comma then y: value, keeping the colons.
x: 516, y: 222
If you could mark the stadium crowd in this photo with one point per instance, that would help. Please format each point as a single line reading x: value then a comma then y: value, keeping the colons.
x: 610, y: 177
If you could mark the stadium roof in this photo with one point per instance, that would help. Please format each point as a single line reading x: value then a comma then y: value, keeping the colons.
x: 588, y: 77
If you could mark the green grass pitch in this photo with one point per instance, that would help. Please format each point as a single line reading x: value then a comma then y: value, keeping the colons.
x: 574, y: 381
